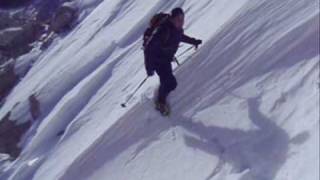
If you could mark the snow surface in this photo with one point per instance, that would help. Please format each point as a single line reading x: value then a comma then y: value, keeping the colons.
x: 246, y: 108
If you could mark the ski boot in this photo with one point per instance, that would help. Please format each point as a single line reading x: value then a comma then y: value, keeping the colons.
x: 163, y: 108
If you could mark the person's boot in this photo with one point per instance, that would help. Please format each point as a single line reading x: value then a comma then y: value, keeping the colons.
x: 163, y: 108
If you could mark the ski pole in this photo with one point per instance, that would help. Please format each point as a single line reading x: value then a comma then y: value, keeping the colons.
x: 180, y: 64
x: 176, y: 60
x: 135, y: 91
x: 185, y: 51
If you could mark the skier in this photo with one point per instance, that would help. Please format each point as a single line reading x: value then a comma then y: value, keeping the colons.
x: 160, y: 45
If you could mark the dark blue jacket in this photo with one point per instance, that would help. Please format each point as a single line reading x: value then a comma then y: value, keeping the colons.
x: 165, y: 43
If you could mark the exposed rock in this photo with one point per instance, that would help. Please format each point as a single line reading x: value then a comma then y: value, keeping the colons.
x: 62, y: 21
x: 13, y: 3
x: 8, y: 38
x: 34, y: 107
x: 64, y: 17
x: 40, y: 22
x: 7, y: 79
x: 16, y: 41
x: 3, y: 59
x: 46, y: 9
x: 5, y: 20
x: 11, y: 29
x: 10, y: 135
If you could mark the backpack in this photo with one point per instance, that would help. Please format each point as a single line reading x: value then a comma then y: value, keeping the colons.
x: 155, y: 22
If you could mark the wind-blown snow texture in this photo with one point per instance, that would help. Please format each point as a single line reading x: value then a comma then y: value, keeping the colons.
x: 246, y: 107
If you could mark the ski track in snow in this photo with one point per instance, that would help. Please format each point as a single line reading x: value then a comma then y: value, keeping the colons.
x: 245, y: 108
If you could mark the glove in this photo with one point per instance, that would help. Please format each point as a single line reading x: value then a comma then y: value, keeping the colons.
x: 150, y: 73
x: 197, y: 43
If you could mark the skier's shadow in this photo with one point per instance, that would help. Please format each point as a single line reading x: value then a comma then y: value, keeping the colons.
x: 257, y: 154
x: 262, y: 152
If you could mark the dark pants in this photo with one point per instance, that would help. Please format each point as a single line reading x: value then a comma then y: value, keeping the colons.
x: 167, y: 80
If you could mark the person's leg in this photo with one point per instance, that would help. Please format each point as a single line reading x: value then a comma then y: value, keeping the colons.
x: 167, y: 82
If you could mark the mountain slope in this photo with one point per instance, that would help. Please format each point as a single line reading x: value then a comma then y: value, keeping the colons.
x: 246, y: 106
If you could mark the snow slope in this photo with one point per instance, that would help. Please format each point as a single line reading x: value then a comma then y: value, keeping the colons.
x: 246, y: 108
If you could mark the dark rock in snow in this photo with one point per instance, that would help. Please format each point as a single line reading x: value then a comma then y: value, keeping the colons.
x: 34, y: 107
x: 63, y: 18
x: 16, y: 41
x: 10, y: 135
x: 39, y: 21
x: 3, y: 58
x: 62, y: 21
x: 8, y: 79
x: 46, y: 9
x: 13, y: 3
x: 5, y: 20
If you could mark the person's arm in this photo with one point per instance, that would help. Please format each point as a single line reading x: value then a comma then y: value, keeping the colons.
x: 187, y: 39
x: 190, y: 40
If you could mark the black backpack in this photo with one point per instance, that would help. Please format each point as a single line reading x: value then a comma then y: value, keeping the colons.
x: 155, y: 22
